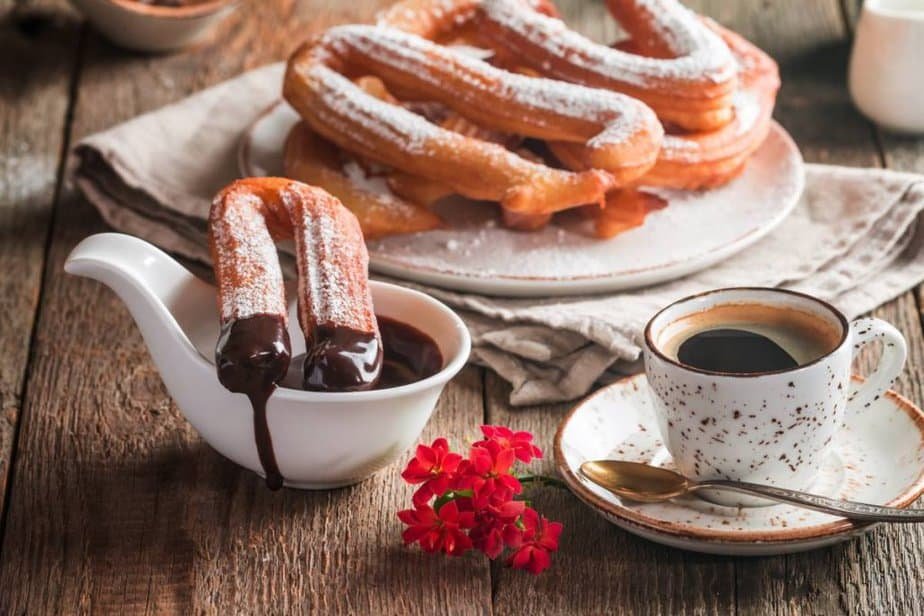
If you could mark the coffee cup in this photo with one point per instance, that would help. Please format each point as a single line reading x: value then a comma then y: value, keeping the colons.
x: 751, y: 384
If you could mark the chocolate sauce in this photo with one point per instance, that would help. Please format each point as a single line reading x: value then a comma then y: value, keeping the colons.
x: 253, y: 355
x: 343, y: 359
x: 734, y: 350
x: 410, y: 354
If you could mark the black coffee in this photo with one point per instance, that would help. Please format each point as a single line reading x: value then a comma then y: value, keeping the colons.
x: 749, y: 338
x: 734, y: 350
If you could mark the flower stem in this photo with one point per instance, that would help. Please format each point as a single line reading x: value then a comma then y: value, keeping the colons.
x: 542, y: 480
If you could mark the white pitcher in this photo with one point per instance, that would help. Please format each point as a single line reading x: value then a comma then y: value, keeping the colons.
x: 321, y: 440
x: 886, y: 75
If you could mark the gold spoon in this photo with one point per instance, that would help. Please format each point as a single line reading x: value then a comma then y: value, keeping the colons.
x: 650, y: 484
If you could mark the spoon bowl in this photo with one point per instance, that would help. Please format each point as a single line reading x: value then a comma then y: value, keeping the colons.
x: 639, y: 482
x: 652, y: 484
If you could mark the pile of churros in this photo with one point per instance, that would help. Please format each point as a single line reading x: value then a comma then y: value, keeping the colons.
x: 498, y: 100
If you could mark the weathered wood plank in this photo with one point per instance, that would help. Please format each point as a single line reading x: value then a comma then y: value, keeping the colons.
x: 859, y: 577
x: 156, y: 521
x: 119, y: 507
x: 601, y: 569
x: 37, y: 52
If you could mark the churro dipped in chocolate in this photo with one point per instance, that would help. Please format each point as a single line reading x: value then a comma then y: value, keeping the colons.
x: 344, y: 350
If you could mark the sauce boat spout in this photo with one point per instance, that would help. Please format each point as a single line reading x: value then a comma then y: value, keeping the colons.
x: 174, y: 310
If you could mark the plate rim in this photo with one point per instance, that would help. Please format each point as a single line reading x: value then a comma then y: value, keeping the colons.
x: 731, y: 538
x: 539, y: 286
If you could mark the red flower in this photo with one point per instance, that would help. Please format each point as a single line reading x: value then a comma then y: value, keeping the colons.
x: 496, y: 528
x: 438, y: 530
x: 433, y: 467
x: 493, y: 490
x: 486, y: 473
x: 474, y: 504
x: 520, y: 442
x: 539, y: 540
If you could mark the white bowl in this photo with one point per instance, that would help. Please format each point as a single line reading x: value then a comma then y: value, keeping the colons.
x: 154, y: 28
x: 321, y: 440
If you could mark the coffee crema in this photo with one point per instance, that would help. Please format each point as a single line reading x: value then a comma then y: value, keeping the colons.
x: 749, y: 338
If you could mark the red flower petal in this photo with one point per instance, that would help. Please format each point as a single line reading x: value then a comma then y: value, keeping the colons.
x: 426, y: 457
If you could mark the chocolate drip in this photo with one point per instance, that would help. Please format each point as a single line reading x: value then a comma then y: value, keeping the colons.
x: 342, y: 359
x: 253, y: 355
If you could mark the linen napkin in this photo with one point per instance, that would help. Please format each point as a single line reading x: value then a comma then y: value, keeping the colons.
x: 856, y: 239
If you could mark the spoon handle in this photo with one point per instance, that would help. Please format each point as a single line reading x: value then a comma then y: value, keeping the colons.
x: 847, y: 509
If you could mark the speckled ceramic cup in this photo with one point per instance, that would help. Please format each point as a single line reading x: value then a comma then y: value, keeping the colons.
x: 768, y: 427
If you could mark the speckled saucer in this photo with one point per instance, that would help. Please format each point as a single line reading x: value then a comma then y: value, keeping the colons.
x: 878, y: 457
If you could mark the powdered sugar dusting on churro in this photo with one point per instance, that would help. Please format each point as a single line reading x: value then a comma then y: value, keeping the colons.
x: 620, y: 117
x: 246, y: 220
x: 252, y: 283
x: 748, y: 111
x: 333, y: 263
x: 385, y: 120
x: 411, y: 132
x: 615, y: 136
x: 701, y: 54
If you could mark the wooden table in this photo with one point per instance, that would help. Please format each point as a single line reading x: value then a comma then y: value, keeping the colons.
x: 112, y: 504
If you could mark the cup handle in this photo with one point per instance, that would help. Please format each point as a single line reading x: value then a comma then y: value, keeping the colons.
x: 894, y: 353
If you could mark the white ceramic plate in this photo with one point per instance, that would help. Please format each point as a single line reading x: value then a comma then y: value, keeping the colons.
x: 476, y: 254
x: 878, y: 458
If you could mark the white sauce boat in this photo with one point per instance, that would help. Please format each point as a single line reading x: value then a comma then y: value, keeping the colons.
x: 321, y: 440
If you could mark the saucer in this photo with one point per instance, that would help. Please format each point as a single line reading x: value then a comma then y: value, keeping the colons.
x: 877, y: 457
x: 696, y: 230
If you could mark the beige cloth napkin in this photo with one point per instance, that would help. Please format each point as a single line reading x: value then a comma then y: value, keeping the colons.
x: 856, y: 239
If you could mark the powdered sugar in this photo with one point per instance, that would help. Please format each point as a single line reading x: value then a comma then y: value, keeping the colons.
x: 748, y: 110
x: 620, y: 117
x: 250, y: 278
x: 701, y: 54
x: 332, y: 263
x: 396, y: 136
x: 331, y: 256
x: 388, y: 122
x: 372, y: 183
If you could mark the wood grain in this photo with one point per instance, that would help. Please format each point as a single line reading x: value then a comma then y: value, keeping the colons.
x: 119, y: 507
x: 599, y: 569
x: 867, y: 575
x: 38, y: 45
x: 605, y: 570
